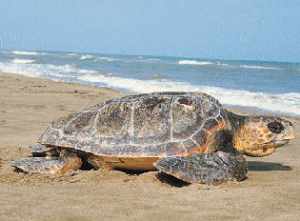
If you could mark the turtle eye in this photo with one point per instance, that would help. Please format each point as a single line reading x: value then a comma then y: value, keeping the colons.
x: 275, y: 127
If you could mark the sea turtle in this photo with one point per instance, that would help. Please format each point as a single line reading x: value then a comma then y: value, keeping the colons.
x: 187, y: 135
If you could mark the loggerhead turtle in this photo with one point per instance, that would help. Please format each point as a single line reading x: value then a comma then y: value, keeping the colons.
x: 187, y: 135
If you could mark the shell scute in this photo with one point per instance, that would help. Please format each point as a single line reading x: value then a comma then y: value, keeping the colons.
x: 151, y: 120
x: 113, y: 123
x: 200, y: 137
x: 174, y: 148
x: 79, y: 122
x: 186, y: 117
x: 189, y: 144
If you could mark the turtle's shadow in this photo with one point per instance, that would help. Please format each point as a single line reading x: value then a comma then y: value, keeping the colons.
x: 170, y: 180
x: 162, y: 177
x: 267, y: 166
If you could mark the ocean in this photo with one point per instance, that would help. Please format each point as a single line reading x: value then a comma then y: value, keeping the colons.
x: 264, y: 85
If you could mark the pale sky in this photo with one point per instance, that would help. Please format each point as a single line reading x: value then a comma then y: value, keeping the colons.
x: 229, y: 29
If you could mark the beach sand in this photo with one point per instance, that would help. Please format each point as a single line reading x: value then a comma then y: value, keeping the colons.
x: 28, y: 105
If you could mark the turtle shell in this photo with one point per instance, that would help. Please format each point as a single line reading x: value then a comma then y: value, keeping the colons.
x: 145, y: 125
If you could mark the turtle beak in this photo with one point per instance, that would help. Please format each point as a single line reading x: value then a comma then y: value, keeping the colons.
x: 281, y: 143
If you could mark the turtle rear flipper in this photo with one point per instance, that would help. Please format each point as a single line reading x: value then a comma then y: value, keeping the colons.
x: 66, y: 163
x: 38, y: 165
x: 208, y: 168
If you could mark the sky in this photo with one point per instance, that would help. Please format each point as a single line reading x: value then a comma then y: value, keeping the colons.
x: 231, y: 29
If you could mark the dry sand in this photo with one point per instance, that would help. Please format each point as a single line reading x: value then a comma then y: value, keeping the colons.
x: 27, y: 105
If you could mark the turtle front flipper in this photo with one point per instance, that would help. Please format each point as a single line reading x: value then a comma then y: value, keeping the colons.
x: 210, y: 168
x: 67, y: 162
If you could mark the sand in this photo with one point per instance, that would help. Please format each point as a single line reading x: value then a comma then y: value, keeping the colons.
x: 28, y: 105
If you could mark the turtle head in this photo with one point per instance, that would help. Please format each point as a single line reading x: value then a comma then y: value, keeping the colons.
x: 261, y: 135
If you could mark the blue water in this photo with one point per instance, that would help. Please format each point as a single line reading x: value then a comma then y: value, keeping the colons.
x: 273, y: 86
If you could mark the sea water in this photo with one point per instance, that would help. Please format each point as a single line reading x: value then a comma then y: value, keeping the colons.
x: 266, y: 85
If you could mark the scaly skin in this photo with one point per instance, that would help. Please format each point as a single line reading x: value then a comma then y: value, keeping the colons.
x: 211, y: 168
x: 261, y: 135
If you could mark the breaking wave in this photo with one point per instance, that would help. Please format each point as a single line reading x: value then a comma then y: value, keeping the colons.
x: 148, y: 60
x: 22, y: 61
x: 25, y: 53
x: 86, y: 57
x: 246, y: 66
x: 259, y: 67
x: 108, y: 59
x: 63, y: 72
x: 194, y: 62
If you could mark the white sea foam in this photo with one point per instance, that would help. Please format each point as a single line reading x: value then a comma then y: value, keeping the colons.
x: 72, y: 54
x: 44, y: 70
x: 194, y: 62
x: 86, y: 57
x: 22, y: 61
x: 286, y: 103
x: 149, y: 60
x: 19, y: 69
x: 222, y: 64
x: 108, y: 59
x: 152, y: 59
x: 26, y: 52
x: 259, y: 67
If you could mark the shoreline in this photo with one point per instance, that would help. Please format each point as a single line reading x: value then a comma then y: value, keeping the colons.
x: 239, y: 109
x: 28, y: 105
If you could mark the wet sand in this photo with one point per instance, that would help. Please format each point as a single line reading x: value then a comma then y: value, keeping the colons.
x: 28, y: 105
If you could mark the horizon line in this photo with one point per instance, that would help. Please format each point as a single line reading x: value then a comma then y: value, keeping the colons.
x: 149, y: 55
